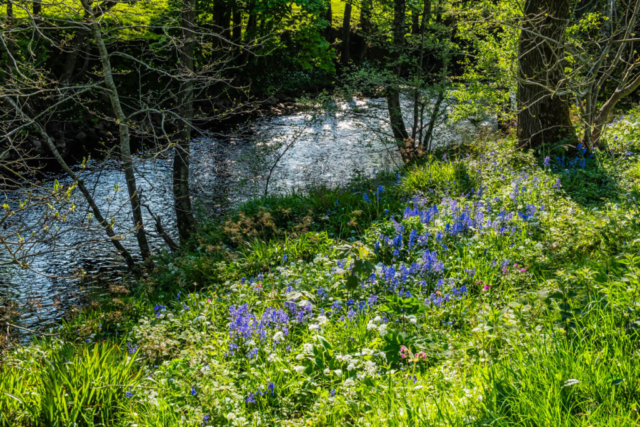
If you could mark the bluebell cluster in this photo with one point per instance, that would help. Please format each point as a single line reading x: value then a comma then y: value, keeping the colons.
x: 270, y: 390
x: 245, y: 325
x: 158, y: 309
x: 351, y: 310
x: 580, y: 161
x: 458, y: 217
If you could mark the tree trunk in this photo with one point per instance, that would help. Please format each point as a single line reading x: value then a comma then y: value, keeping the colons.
x: 125, y: 148
x: 9, y: 42
x: 76, y: 45
x: 226, y: 20
x: 365, y: 28
x: 393, y: 92
x: 426, y: 15
x: 249, y: 34
x: 37, y: 8
x: 543, y: 115
x: 71, y: 57
x: 181, y: 193
x: 415, y: 22
x: 365, y: 17
x: 237, y: 25
x: 222, y: 20
x: 329, y: 18
x: 346, y: 35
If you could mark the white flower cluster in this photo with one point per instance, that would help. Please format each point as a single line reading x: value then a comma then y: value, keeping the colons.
x: 377, y: 325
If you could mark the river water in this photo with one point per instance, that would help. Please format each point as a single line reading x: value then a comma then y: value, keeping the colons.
x: 328, y: 148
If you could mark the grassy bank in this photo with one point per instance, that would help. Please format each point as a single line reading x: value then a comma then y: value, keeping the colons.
x: 481, y: 286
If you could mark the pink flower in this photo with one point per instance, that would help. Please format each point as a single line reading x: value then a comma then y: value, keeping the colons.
x: 523, y: 270
x: 504, y: 270
x: 208, y: 300
x: 486, y: 287
x: 422, y: 355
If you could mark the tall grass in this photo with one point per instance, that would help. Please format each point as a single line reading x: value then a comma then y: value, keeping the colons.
x: 58, y: 384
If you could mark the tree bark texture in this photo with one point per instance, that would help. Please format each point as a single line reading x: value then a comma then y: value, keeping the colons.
x: 543, y: 115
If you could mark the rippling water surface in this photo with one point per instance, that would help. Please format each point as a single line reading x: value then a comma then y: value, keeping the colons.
x: 328, y: 148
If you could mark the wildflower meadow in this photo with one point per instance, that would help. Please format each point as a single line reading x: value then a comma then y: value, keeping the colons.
x: 478, y: 286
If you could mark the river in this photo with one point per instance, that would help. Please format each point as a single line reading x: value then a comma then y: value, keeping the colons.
x: 327, y: 148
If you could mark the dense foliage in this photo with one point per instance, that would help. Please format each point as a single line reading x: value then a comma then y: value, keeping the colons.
x: 478, y: 286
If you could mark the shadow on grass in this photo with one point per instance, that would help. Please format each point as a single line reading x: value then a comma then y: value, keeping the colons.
x: 587, y: 181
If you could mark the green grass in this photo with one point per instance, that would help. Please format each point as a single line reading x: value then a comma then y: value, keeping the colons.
x: 531, y: 319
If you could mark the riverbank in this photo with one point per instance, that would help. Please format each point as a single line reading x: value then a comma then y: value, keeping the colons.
x: 479, y: 286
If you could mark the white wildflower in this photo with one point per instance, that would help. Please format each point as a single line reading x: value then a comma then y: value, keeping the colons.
x: 338, y: 372
x: 370, y: 368
x: 272, y: 358
x: 278, y: 336
x: 299, y: 369
x: 326, y: 371
x: 308, y: 348
x: 351, y: 367
x: 349, y: 382
x: 382, y: 330
x: 322, y: 320
x: 314, y: 327
x: 300, y: 356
